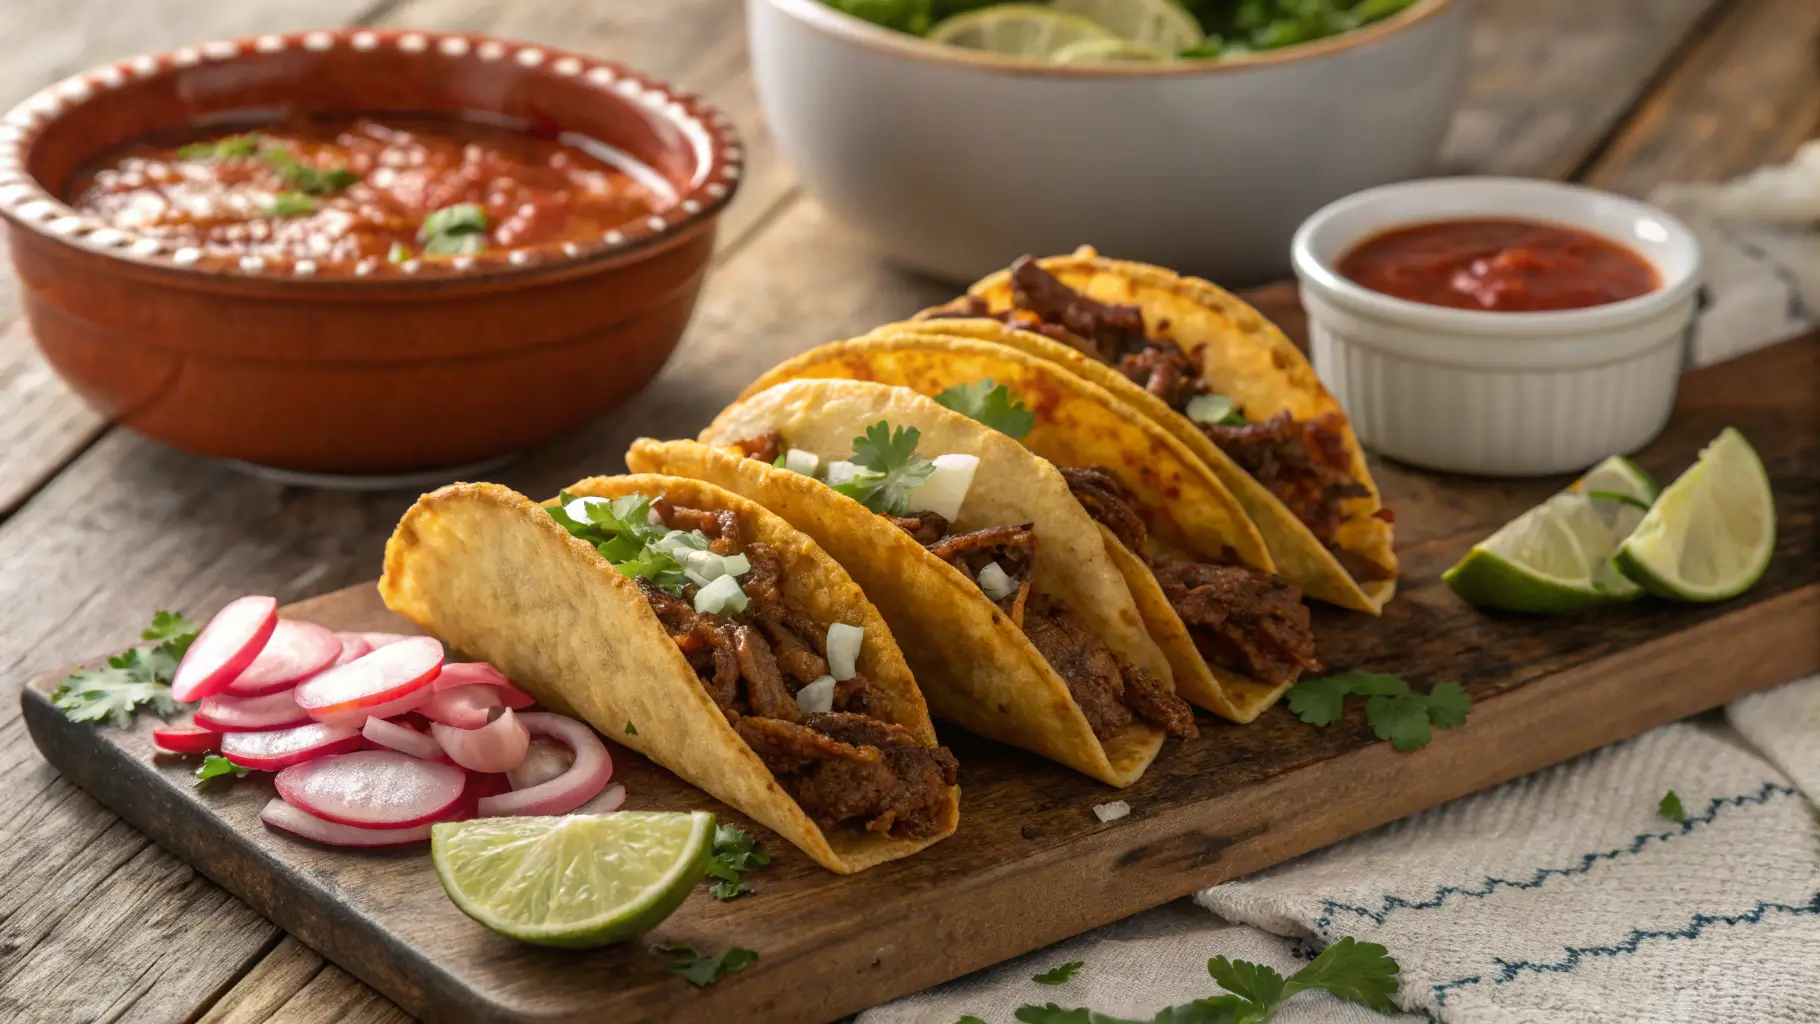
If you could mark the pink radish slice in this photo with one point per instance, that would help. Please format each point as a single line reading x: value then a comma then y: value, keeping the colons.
x: 356, y: 717
x: 371, y: 680
x: 399, y: 738
x: 373, y: 789
x: 274, y: 749
x: 353, y: 645
x: 465, y: 707
x: 225, y: 712
x: 610, y: 799
x: 590, y: 773
x: 498, y: 746
x: 377, y: 640
x: 225, y: 647
x: 186, y: 739
x: 297, y: 650
x: 297, y: 821
x: 461, y: 673
x: 543, y: 761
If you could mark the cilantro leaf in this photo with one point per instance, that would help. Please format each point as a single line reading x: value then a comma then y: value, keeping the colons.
x: 631, y: 730
x: 1395, y: 712
x: 894, y: 468
x: 1403, y: 720
x: 1227, y: 1009
x: 1049, y: 1013
x: 1319, y: 701
x: 398, y: 253
x: 991, y: 404
x: 214, y: 766
x: 454, y: 230
x: 622, y: 531
x: 1256, y: 983
x: 1670, y: 807
x: 291, y: 204
x: 136, y: 678
x: 970, y: 1019
x: 701, y: 969
x: 1361, y: 972
x: 1448, y: 705
x: 1059, y: 975
x: 171, y: 626
x: 735, y: 853
x: 314, y: 181
x: 221, y: 149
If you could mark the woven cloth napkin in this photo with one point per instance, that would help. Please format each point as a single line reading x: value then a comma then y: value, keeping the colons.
x: 1564, y: 896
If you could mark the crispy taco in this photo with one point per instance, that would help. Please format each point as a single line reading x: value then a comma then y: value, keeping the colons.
x: 996, y: 583
x: 700, y: 630
x: 1236, y: 636
x: 1223, y: 380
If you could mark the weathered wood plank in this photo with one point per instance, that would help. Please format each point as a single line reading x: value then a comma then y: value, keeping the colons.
x: 273, y: 981
x: 42, y: 423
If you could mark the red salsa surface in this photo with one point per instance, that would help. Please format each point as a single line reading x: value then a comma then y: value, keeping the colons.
x: 340, y: 191
x: 1500, y: 265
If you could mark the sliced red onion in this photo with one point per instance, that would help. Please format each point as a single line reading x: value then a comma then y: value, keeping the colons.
x: 468, y: 706
x: 463, y: 673
x: 225, y: 647
x: 297, y: 821
x: 498, y: 746
x: 186, y: 739
x: 402, y: 739
x: 373, y: 789
x: 844, y: 642
x: 610, y: 799
x: 295, y: 651
x: 382, y: 677
x: 543, y: 761
x: 280, y: 748
x: 225, y: 712
x: 590, y: 773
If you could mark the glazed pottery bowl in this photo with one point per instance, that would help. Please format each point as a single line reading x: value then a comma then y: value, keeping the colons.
x: 389, y: 367
x: 955, y: 162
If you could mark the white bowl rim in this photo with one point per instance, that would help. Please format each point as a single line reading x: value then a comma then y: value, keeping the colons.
x: 863, y: 33
x: 1315, y: 272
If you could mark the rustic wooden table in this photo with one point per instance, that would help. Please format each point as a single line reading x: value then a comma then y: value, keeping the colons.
x: 99, y: 527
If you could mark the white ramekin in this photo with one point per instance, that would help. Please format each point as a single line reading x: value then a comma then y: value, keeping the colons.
x: 1498, y: 394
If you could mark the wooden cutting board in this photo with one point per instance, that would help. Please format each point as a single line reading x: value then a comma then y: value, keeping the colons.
x: 1031, y: 864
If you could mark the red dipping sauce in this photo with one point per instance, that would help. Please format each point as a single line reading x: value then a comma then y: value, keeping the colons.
x: 1501, y: 265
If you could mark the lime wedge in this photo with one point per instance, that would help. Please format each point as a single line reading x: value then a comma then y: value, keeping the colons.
x: 1016, y: 30
x: 1109, y: 51
x: 1556, y: 557
x: 579, y: 880
x: 1163, y: 24
x: 1711, y: 533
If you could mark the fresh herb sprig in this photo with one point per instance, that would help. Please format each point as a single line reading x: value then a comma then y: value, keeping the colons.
x: 701, y: 969
x: 889, y: 468
x: 315, y: 181
x: 222, y: 149
x: 137, y: 678
x: 291, y: 204
x: 1670, y: 808
x: 735, y: 853
x: 1395, y: 712
x: 622, y: 531
x: 1059, y: 975
x: 215, y: 766
x: 456, y: 230
x: 992, y: 404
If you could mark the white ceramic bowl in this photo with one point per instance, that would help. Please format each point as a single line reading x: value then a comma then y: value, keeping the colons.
x: 957, y: 162
x: 1498, y: 394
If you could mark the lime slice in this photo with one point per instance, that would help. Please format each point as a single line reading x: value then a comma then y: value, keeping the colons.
x: 1163, y: 24
x: 1109, y: 51
x: 1016, y: 30
x: 578, y: 880
x: 1711, y: 533
x: 1557, y: 556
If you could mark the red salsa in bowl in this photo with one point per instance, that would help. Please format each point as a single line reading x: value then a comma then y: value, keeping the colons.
x: 1499, y: 265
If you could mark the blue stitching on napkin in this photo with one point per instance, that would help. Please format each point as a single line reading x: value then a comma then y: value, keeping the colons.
x: 1509, y: 969
x: 1390, y: 904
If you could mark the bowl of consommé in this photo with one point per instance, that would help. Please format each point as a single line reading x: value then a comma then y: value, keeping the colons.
x: 363, y: 251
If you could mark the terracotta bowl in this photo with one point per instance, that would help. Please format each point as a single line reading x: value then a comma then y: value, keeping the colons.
x: 390, y: 368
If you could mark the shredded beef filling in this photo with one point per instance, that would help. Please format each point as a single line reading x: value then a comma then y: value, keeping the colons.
x: 1100, y: 493
x: 1244, y: 620
x: 843, y: 767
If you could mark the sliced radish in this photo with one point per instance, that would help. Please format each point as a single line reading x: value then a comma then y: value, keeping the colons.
x: 280, y: 748
x: 399, y: 738
x: 225, y: 647
x: 464, y: 707
x: 498, y: 746
x: 373, y: 789
x: 225, y: 712
x: 186, y: 739
x: 610, y: 799
x: 296, y: 650
x: 590, y: 773
x: 543, y: 761
x: 373, y: 680
x: 461, y: 673
x: 296, y: 821
x: 356, y: 717
x: 377, y: 640
x: 353, y: 645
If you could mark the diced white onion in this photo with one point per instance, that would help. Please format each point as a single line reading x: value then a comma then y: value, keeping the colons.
x: 653, y: 518
x: 996, y: 582
x: 1208, y: 408
x: 843, y: 650
x: 705, y: 564
x: 720, y: 595
x: 735, y: 565
x: 842, y: 472
x: 797, y: 460
x: 943, y: 491
x: 578, y: 509
x: 817, y: 696
x: 1111, y: 812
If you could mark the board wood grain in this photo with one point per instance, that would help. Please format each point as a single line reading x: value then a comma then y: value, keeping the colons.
x: 1236, y: 800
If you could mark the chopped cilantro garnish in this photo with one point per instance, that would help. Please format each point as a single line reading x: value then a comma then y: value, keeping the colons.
x: 1059, y: 975
x: 1215, y: 411
x: 214, y: 766
x: 707, y: 968
x: 291, y: 204
x: 1670, y: 807
x: 304, y: 178
x: 221, y: 149
x: 398, y: 253
x: 735, y: 853
x: 890, y: 469
x: 991, y: 404
x: 622, y: 531
x: 631, y: 730
x: 1394, y: 711
x: 136, y: 678
x: 454, y: 230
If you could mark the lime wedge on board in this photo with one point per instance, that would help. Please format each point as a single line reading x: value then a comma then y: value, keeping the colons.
x: 577, y: 880
x: 1017, y: 30
x: 1712, y: 532
x: 1162, y: 24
